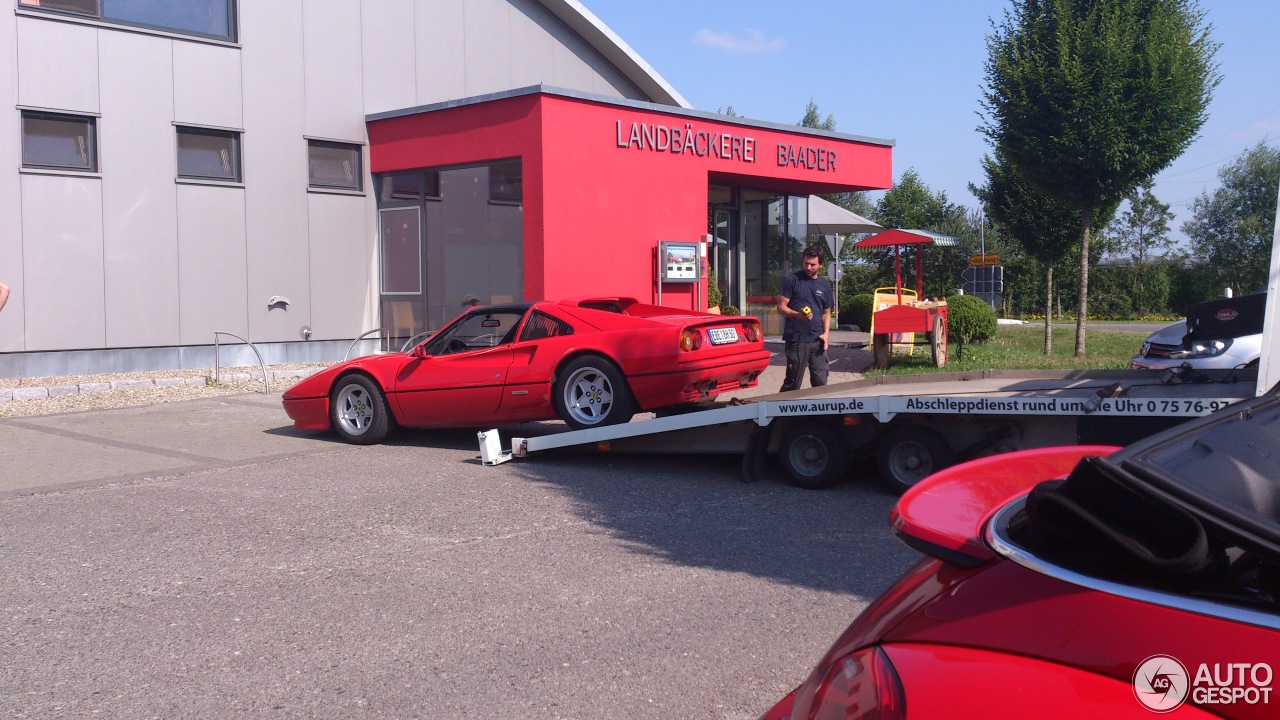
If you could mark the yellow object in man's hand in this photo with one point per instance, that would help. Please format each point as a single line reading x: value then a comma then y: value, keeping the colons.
x: 807, y: 311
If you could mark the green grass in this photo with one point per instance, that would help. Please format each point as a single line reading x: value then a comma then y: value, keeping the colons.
x: 1021, y: 347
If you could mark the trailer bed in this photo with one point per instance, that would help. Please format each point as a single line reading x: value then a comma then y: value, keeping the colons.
x: 956, y: 415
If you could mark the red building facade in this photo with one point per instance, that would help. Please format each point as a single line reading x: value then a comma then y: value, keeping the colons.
x: 543, y: 193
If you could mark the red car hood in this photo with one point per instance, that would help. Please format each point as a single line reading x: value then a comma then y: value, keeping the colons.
x: 379, y: 366
x: 943, y: 515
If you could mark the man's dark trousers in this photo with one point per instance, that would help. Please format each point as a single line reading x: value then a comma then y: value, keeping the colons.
x: 800, y: 355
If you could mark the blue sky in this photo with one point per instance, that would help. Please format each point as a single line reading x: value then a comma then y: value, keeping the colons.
x: 912, y: 71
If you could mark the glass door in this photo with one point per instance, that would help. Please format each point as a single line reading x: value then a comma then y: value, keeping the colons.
x: 726, y: 269
x: 400, y: 237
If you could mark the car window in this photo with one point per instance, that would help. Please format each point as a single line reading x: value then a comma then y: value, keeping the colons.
x: 478, y: 330
x: 541, y: 326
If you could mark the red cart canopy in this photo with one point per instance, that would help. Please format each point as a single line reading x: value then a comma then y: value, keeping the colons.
x: 906, y: 237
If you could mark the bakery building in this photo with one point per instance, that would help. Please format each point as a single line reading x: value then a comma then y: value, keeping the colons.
x: 301, y: 174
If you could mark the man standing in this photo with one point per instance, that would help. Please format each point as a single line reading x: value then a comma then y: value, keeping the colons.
x: 805, y: 301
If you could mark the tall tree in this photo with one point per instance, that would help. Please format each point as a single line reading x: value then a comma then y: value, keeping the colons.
x: 1044, y: 227
x: 1140, y: 234
x: 1231, y: 229
x: 1087, y: 98
x: 813, y: 119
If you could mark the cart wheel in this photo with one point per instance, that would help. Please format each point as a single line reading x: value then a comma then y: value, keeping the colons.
x: 938, y: 341
x: 910, y: 454
x: 880, y: 348
x: 814, y: 455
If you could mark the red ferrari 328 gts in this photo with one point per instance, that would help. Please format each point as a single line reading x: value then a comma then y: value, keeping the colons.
x: 588, y: 362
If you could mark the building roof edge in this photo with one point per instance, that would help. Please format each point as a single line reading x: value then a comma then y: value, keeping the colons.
x: 623, y: 102
x: 614, y: 49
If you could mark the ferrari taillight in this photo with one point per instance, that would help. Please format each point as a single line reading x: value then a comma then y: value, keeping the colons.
x: 690, y: 340
x: 753, y: 332
x: 859, y: 686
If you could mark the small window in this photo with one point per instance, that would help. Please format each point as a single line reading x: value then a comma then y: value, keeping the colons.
x: 205, y: 18
x: 506, y: 184
x: 59, y: 142
x: 334, y: 165
x: 209, y: 154
x: 82, y: 7
x: 541, y: 326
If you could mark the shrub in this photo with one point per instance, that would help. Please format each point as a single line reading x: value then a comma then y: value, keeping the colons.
x: 714, y: 296
x: 730, y: 310
x: 858, y: 312
x: 969, y: 320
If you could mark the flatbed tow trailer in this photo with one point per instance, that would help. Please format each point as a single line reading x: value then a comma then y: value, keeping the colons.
x: 912, y: 425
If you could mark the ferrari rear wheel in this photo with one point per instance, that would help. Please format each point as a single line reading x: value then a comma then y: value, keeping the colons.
x: 358, y: 411
x: 591, y: 392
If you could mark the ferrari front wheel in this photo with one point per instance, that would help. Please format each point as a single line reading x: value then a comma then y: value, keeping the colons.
x: 358, y: 411
x: 591, y: 392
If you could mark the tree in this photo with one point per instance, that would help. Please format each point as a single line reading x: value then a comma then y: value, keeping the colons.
x: 1231, y: 229
x: 1044, y: 227
x: 1087, y: 98
x: 1140, y: 234
x: 813, y: 119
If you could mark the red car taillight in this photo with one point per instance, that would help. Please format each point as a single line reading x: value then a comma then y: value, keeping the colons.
x: 690, y: 340
x: 860, y: 686
x: 753, y: 332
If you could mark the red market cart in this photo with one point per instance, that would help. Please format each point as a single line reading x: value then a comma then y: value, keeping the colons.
x: 899, y: 313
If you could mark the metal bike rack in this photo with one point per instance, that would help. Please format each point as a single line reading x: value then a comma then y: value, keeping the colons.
x: 414, y: 340
x: 217, y: 364
x: 347, y: 354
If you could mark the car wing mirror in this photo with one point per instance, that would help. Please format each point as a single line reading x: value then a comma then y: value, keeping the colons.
x: 420, y: 351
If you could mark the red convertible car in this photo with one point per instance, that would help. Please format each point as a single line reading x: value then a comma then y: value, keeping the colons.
x: 588, y: 362
x: 1145, y: 582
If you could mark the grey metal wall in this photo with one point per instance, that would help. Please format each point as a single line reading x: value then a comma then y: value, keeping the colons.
x: 132, y: 258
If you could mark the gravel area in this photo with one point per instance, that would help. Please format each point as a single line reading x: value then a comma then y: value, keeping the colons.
x: 31, y: 396
x: 28, y: 397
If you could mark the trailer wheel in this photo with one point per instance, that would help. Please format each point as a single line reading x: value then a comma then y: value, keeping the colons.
x: 814, y: 455
x: 910, y: 454
x: 880, y: 348
x: 938, y: 341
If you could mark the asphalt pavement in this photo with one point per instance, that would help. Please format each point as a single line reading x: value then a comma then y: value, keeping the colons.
x: 203, y: 559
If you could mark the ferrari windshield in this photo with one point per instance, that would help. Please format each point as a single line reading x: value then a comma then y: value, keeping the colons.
x: 477, y: 330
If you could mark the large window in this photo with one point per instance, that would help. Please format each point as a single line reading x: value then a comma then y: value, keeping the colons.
x: 205, y: 154
x: 401, y: 251
x: 472, y: 235
x: 59, y: 142
x: 334, y: 166
x: 204, y: 18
